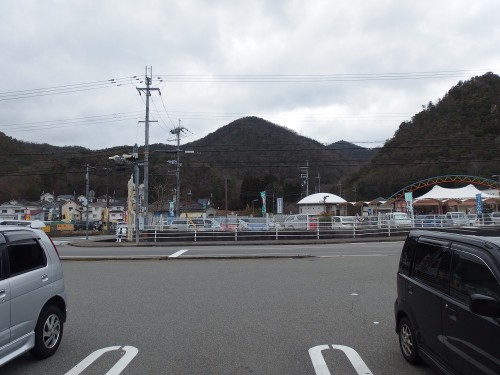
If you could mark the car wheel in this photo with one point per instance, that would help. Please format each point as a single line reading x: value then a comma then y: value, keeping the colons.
x: 408, y: 341
x: 48, y: 332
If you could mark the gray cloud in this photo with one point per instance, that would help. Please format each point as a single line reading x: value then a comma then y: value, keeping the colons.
x: 58, y: 43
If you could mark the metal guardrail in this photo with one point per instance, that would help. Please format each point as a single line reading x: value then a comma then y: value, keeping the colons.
x: 278, y: 228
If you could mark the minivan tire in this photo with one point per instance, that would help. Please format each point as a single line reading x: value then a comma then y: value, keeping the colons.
x: 408, y: 341
x: 48, y: 332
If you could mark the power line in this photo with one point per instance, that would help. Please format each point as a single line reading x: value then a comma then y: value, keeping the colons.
x: 64, y: 89
x: 316, y: 78
x: 240, y: 78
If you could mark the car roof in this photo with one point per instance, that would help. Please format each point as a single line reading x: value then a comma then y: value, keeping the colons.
x: 477, y: 239
x: 16, y: 224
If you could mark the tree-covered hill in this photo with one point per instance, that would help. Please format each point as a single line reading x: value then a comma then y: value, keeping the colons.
x: 460, y: 134
x: 251, y: 153
x: 257, y: 155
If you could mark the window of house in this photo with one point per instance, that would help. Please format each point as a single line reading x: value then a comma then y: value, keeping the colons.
x: 470, y: 275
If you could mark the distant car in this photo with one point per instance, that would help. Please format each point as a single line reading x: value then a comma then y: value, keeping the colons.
x: 495, y: 218
x: 258, y: 224
x: 80, y: 225
x: 432, y: 221
x: 397, y: 219
x: 301, y: 221
x: 339, y: 222
x: 459, y: 219
x: 228, y: 224
x: 32, y: 293
x: 202, y: 224
x: 182, y: 224
x: 472, y: 219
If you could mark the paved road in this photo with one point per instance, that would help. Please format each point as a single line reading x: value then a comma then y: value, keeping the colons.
x: 231, y: 316
x: 234, y: 250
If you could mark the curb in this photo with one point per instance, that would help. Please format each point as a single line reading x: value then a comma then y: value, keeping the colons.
x: 84, y: 243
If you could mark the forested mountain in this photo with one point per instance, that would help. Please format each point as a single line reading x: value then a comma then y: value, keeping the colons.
x: 257, y: 155
x: 460, y: 134
x: 251, y: 153
x: 353, y: 151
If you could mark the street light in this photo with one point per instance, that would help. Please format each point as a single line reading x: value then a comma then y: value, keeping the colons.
x: 132, y: 159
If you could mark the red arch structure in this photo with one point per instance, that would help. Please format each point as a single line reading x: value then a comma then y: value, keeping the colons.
x: 444, y: 179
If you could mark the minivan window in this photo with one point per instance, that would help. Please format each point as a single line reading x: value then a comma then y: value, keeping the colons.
x: 432, y: 261
x: 470, y: 275
x: 25, y: 256
x: 407, y: 256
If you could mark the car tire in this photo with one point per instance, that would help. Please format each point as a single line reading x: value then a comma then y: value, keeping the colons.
x: 48, y: 332
x: 408, y: 341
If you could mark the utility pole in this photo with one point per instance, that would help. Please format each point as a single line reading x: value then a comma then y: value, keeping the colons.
x: 147, y: 90
x: 304, y: 175
x: 135, y: 156
x: 319, y: 183
x: 177, y: 132
x: 87, y: 183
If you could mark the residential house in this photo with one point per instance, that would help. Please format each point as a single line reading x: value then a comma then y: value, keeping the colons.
x: 47, y: 197
x: 13, y: 210
x: 71, y: 211
x: 117, y: 211
x: 97, y: 212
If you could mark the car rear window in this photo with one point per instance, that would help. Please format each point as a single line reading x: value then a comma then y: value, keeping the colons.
x: 432, y: 261
x: 25, y: 256
x: 407, y: 256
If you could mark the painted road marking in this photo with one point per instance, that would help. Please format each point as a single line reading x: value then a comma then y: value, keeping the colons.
x: 178, y: 253
x: 130, y: 353
x: 321, y: 368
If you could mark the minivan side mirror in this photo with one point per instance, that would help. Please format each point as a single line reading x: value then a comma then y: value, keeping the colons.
x: 484, y: 305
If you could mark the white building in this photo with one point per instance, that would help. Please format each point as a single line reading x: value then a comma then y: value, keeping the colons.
x: 319, y: 203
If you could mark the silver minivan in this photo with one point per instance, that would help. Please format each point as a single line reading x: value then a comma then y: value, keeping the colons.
x: 32, y: 293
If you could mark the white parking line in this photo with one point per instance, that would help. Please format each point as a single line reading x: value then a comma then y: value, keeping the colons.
x: 129, y: 353
x: 321, y: 368
x: 178, y: 253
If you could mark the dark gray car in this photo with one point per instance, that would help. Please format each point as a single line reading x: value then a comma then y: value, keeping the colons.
x: 448, y: 305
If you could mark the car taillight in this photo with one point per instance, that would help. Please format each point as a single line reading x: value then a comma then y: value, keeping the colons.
x: 55, y: 248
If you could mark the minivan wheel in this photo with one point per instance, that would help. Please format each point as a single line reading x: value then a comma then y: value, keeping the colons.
x: 408, y: 341
x: 48, y: 332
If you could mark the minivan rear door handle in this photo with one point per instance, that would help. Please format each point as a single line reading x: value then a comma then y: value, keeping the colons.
x: 452, y: 313
x: 45, y: 278
x: 410, y: 289
x: 2, y: 295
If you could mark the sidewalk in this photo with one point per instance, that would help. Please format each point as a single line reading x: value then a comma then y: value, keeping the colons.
x: 124, y: 243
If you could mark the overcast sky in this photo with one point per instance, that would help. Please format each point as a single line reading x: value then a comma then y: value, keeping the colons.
x: 330, y: 70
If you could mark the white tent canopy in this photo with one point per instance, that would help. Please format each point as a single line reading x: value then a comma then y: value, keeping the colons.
x: 442, y: 194
x: 322, y: 198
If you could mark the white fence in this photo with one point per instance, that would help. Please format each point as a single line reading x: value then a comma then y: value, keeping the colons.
x: 287, y: 227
